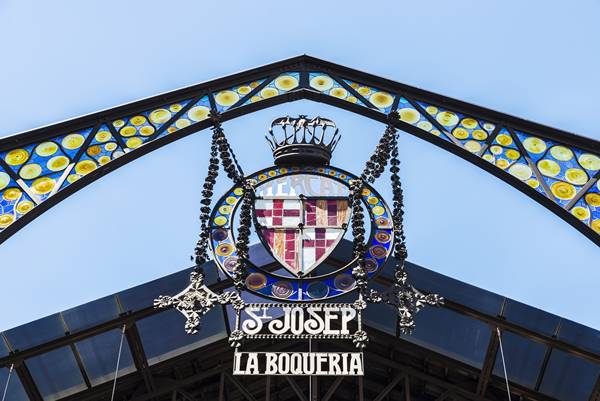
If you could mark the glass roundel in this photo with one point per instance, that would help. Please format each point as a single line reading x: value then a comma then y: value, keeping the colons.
x: 300, y: 215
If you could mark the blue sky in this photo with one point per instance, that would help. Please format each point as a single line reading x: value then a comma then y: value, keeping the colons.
x: 537, y: 59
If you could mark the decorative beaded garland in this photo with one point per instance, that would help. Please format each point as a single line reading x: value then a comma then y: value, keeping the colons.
x: 305, y: 289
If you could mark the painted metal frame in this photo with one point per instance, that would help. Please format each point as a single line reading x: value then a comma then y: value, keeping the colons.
x: 304, y: 66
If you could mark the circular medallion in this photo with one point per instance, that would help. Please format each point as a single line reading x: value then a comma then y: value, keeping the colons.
x: 300, y: 215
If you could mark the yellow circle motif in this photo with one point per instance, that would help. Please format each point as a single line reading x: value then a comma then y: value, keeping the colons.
x: 227, y: 98
x: 582, y: 213
x: 170, y: 130
x: 504, y: 139
x: 12, y: 194
x: 425, y: 125
x: 489, y: 126
x: 30, y: 171
x: 283, y: 170
x: 72, y: 178
x: 460, y: 133
x: 534, y: 145
x: 4, y: 180
x: 562, y: 190
x: 363, y: 90
x: 244, y: 90
x: 128, y: 131
x: 473, y: 146
x: 255, y: 99
x: 272, y: 173
x: 378, y: 210
x: 230, y: 200
x: 103, y: 160
x: 561, y: 153
x: 381, y: 100
x: 488, y: 158
x: 354, y: 85
x: 479, y: 134
x: 268, y: 92
x: 521, y: 171
x: 24, y: 206
x: 495, y: 149
x: 593, y: 199
x: 533, y: 183
x: 94, y: 150
x: 133, y: 143
x: 339, y: 92
x: 220, y: 220
x: 436, y: 132
x: 182, y: 123
x: 254, y: 84
x: 198, y: 113
x: 110, y: 146
x: 596, y: 225
x: 46, y: 149
x: 238, y: 191
x: 262, y: 177
x: 103, y: 136
x: 17, y: 157
x: 576, y: 176
x: 85, y: 167
x: 548, y: 167
x: 447, y: 118
x: 286, y: 82
x: 408, y: 115
x: 590, y: 162
x: 225, y: 209
x: 512, y: 154
x: 469, y: 123
x: 372, y: 200
x: 502, y: 163
x: 175, y: 107
x: 160, y: 116
x: 118, y: 123
x: 72, y: 141
x: 321, y: 83
x: 6, y: 220
x: 431, y: 110
x: 147, y: 130
x: 224, y: 249
x: 57, y: 163
x: 137, y: 120
x: 366, y: 192
x: 351, y: 99
x: 43, y: 185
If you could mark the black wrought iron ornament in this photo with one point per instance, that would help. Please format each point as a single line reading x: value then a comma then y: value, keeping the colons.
x: 301, y: 207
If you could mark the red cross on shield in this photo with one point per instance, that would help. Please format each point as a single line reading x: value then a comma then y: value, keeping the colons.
x: 301, y: 231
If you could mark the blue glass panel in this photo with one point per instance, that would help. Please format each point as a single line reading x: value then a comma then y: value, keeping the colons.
x: 92, y: 313
x: 260, y: 256
x: 163, y: 335
x: 451, y: 334
x: 580, y: 335
x: 3, y: 348
x: 35, y: 333
x: 143, y: 296
x: 568, y: 377
x: 523, y: 359
x: 457, y: 291
x: 99, y: 356
x: 56, y: 373
x: 379, y: 316
x: 532, y: 318
x: 15, y: 390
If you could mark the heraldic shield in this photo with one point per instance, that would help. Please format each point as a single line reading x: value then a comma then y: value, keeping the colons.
x: 301, y: 231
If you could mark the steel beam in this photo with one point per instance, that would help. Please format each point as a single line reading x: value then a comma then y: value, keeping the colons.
x: 139, y: 356
x: 386, y: 390
x: 242, y: 389
x: 296, y: 388
x: 33, y: 393
x: 336, y: 383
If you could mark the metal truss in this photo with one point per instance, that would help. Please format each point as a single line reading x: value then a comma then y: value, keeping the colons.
x: 557, y: 169
x: 395, y: 369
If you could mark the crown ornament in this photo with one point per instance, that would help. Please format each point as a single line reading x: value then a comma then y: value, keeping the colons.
x: 302, y: 140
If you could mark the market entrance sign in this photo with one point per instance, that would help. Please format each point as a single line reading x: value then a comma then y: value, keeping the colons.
x: 300, y: 209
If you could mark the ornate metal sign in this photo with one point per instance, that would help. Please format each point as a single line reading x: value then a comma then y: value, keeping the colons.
x: 301, y: 208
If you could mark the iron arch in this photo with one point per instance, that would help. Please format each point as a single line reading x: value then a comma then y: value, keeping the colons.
x: 40, y: 168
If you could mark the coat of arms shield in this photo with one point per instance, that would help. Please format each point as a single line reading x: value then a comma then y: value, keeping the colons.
x: 301, y: 231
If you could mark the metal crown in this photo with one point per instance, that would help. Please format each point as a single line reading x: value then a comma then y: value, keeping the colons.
x: 304, y: 141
